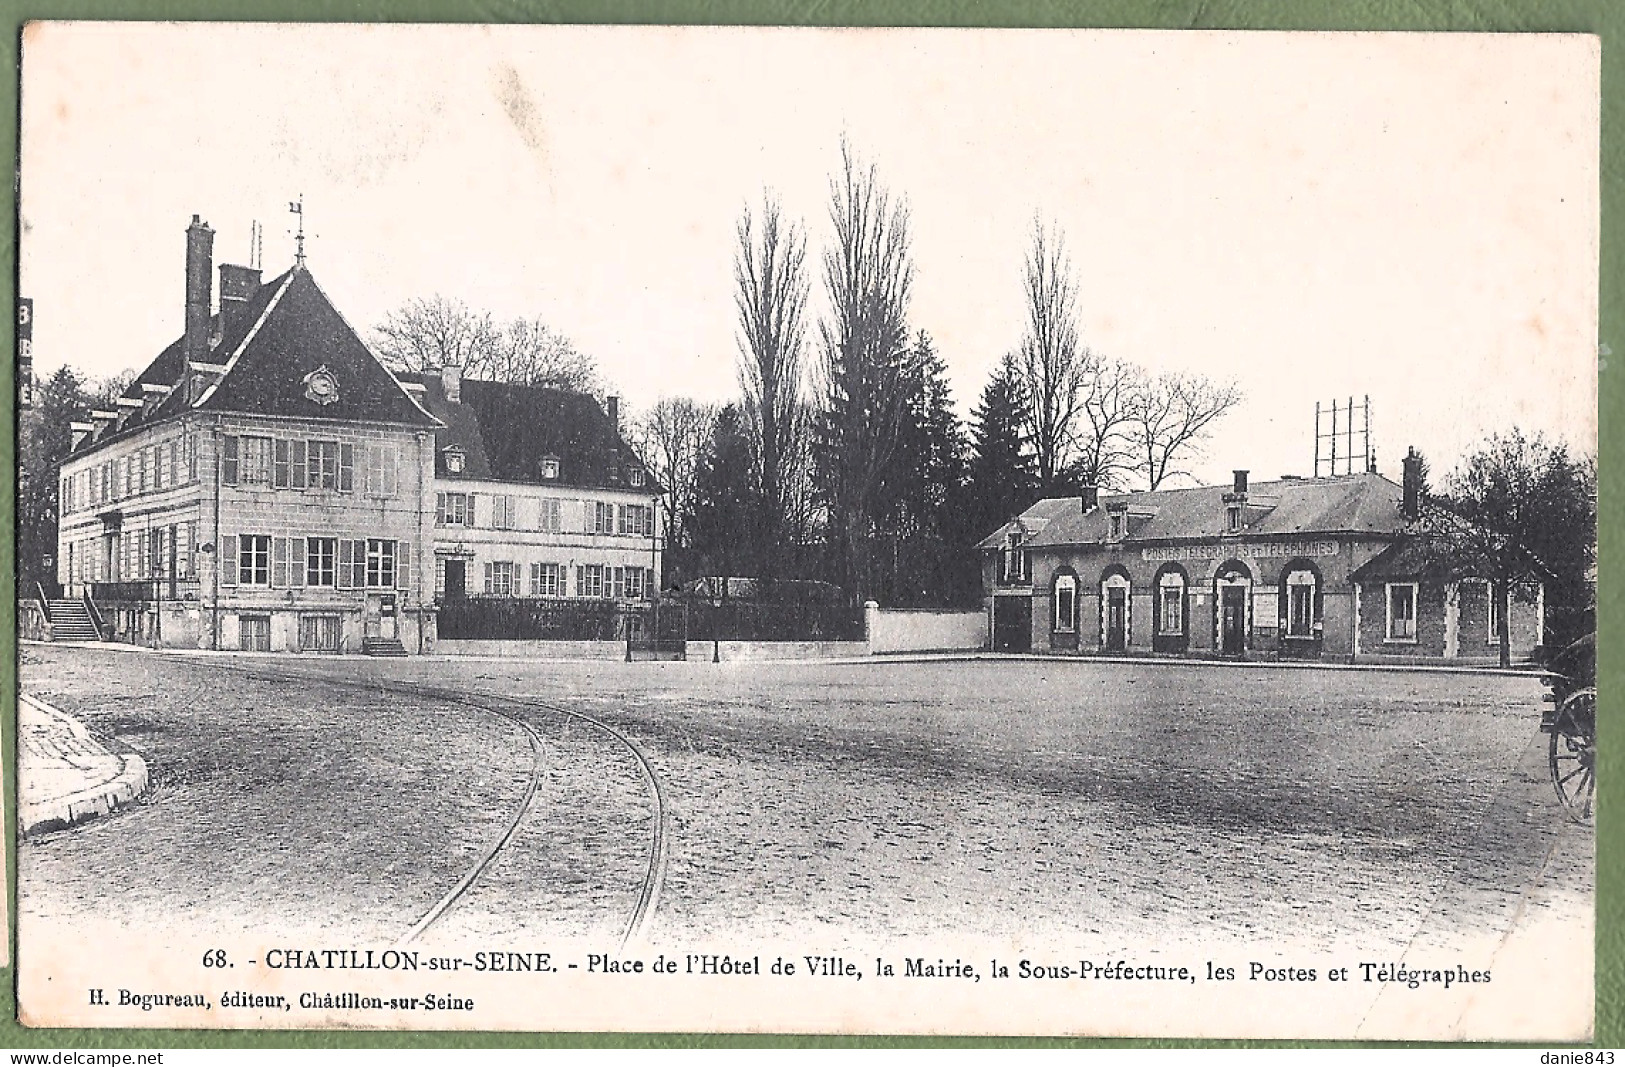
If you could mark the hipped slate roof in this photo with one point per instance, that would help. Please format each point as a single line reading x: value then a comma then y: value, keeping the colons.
x: 301, y: 332
x: 505, y: 431
x: 1358, y: 503
x: 288, y: 329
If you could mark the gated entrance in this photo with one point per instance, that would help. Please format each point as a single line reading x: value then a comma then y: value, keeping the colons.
x: 657, y: 631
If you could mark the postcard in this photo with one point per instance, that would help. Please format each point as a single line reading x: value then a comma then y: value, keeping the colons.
x: 765, y: 530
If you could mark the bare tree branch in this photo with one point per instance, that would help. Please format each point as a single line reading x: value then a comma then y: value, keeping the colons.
x: 771, y: 287
x: 1171, y: 415
x: 438, y: 332
x: 865, y: 359
x: 1054, y: 367
x: 672, y: 438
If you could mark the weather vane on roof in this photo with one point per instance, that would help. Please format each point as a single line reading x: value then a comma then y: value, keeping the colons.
x: 297, y: 207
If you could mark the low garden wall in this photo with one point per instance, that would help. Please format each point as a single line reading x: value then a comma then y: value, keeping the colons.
x: 748, y: 651
x: 533, y: 649
x: 924, y: 631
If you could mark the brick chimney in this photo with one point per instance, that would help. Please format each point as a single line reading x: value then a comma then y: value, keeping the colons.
x: 451, y: 382
x: 199, y: 288
x: 1410, y: 508
x: 1091, y: 497
x: 612, y: 408
x: 1240, y: 488
x: 237, y: 287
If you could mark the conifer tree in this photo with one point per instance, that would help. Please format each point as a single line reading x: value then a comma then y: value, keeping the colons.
x: 1002, y: 480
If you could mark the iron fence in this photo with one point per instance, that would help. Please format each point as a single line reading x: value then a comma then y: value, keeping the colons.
x: 668, y: 624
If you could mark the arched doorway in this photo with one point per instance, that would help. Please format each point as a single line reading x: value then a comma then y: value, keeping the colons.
x: 1232, y: 588
x: 1115, y: 621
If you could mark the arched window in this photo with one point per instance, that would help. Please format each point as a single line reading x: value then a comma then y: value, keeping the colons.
x: 1302, y: 600
x: 1066, y: 603
x: 1171, y: 603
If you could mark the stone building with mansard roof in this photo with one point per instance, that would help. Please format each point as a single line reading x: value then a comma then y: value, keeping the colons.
x: 266, y: 483
x: 1305, y: 568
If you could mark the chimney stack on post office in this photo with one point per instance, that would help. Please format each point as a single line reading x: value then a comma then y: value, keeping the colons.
x: 199, y: 288
x: 237, y: 287
x: 1240, y: 488
x: 451, y: 382
x: 612, y: 408
x: 1411, y: 504
x: 1091, y: 497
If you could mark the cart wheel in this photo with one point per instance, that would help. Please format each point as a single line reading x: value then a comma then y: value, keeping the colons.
x: 1573, y: 752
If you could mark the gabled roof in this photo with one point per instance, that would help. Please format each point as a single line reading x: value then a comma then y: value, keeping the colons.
x: 505, y: 431
x: 1032, y: 521
x: 287, y: 329
x: 1357, y: 504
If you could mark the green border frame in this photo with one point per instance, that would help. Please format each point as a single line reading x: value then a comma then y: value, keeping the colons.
x: 1601, y: 17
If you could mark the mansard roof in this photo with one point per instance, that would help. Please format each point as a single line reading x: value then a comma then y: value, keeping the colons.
x: 506, y: 431
x: 1349, y: 504
x: 288, y: 330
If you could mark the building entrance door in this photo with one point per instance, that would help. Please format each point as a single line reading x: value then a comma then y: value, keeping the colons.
x: 456, y: 579
x: 1012, y: 624
x: 1232, y: 619
x: 1116, y: 619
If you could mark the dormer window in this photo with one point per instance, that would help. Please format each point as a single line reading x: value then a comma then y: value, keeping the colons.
x: 456, y: 459
x: 550, y: 468
x: 1116, y: 521
x: 1232, y: 518
x: 634, y: 477
x: 1013, y: 560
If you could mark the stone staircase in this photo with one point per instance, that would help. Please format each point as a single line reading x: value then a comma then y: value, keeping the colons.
x: 71, y: 622
x: 382, y: 646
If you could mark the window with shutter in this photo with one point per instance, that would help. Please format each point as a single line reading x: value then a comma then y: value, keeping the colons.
x: 323, y: 465
x: 228, y: 560
x: 346, y: 563
x: 440, y: 509
x: 228, y: 461
x: 281, y: 476
x: 296, y: 561
x: 298, y: 460
x: 254, y: 460
x: 488, y: 576
x: 346, y: 468
x: 279, y: 562
x: 254, y: 559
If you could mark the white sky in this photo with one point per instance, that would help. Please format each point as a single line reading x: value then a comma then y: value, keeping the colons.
x: 1412, y: 217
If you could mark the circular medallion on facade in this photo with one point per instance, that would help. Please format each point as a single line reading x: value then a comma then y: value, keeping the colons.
x: 321, y: 386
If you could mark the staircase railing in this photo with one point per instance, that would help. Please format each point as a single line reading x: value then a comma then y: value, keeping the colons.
x: 95, y: 614
x: 44, y: 601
